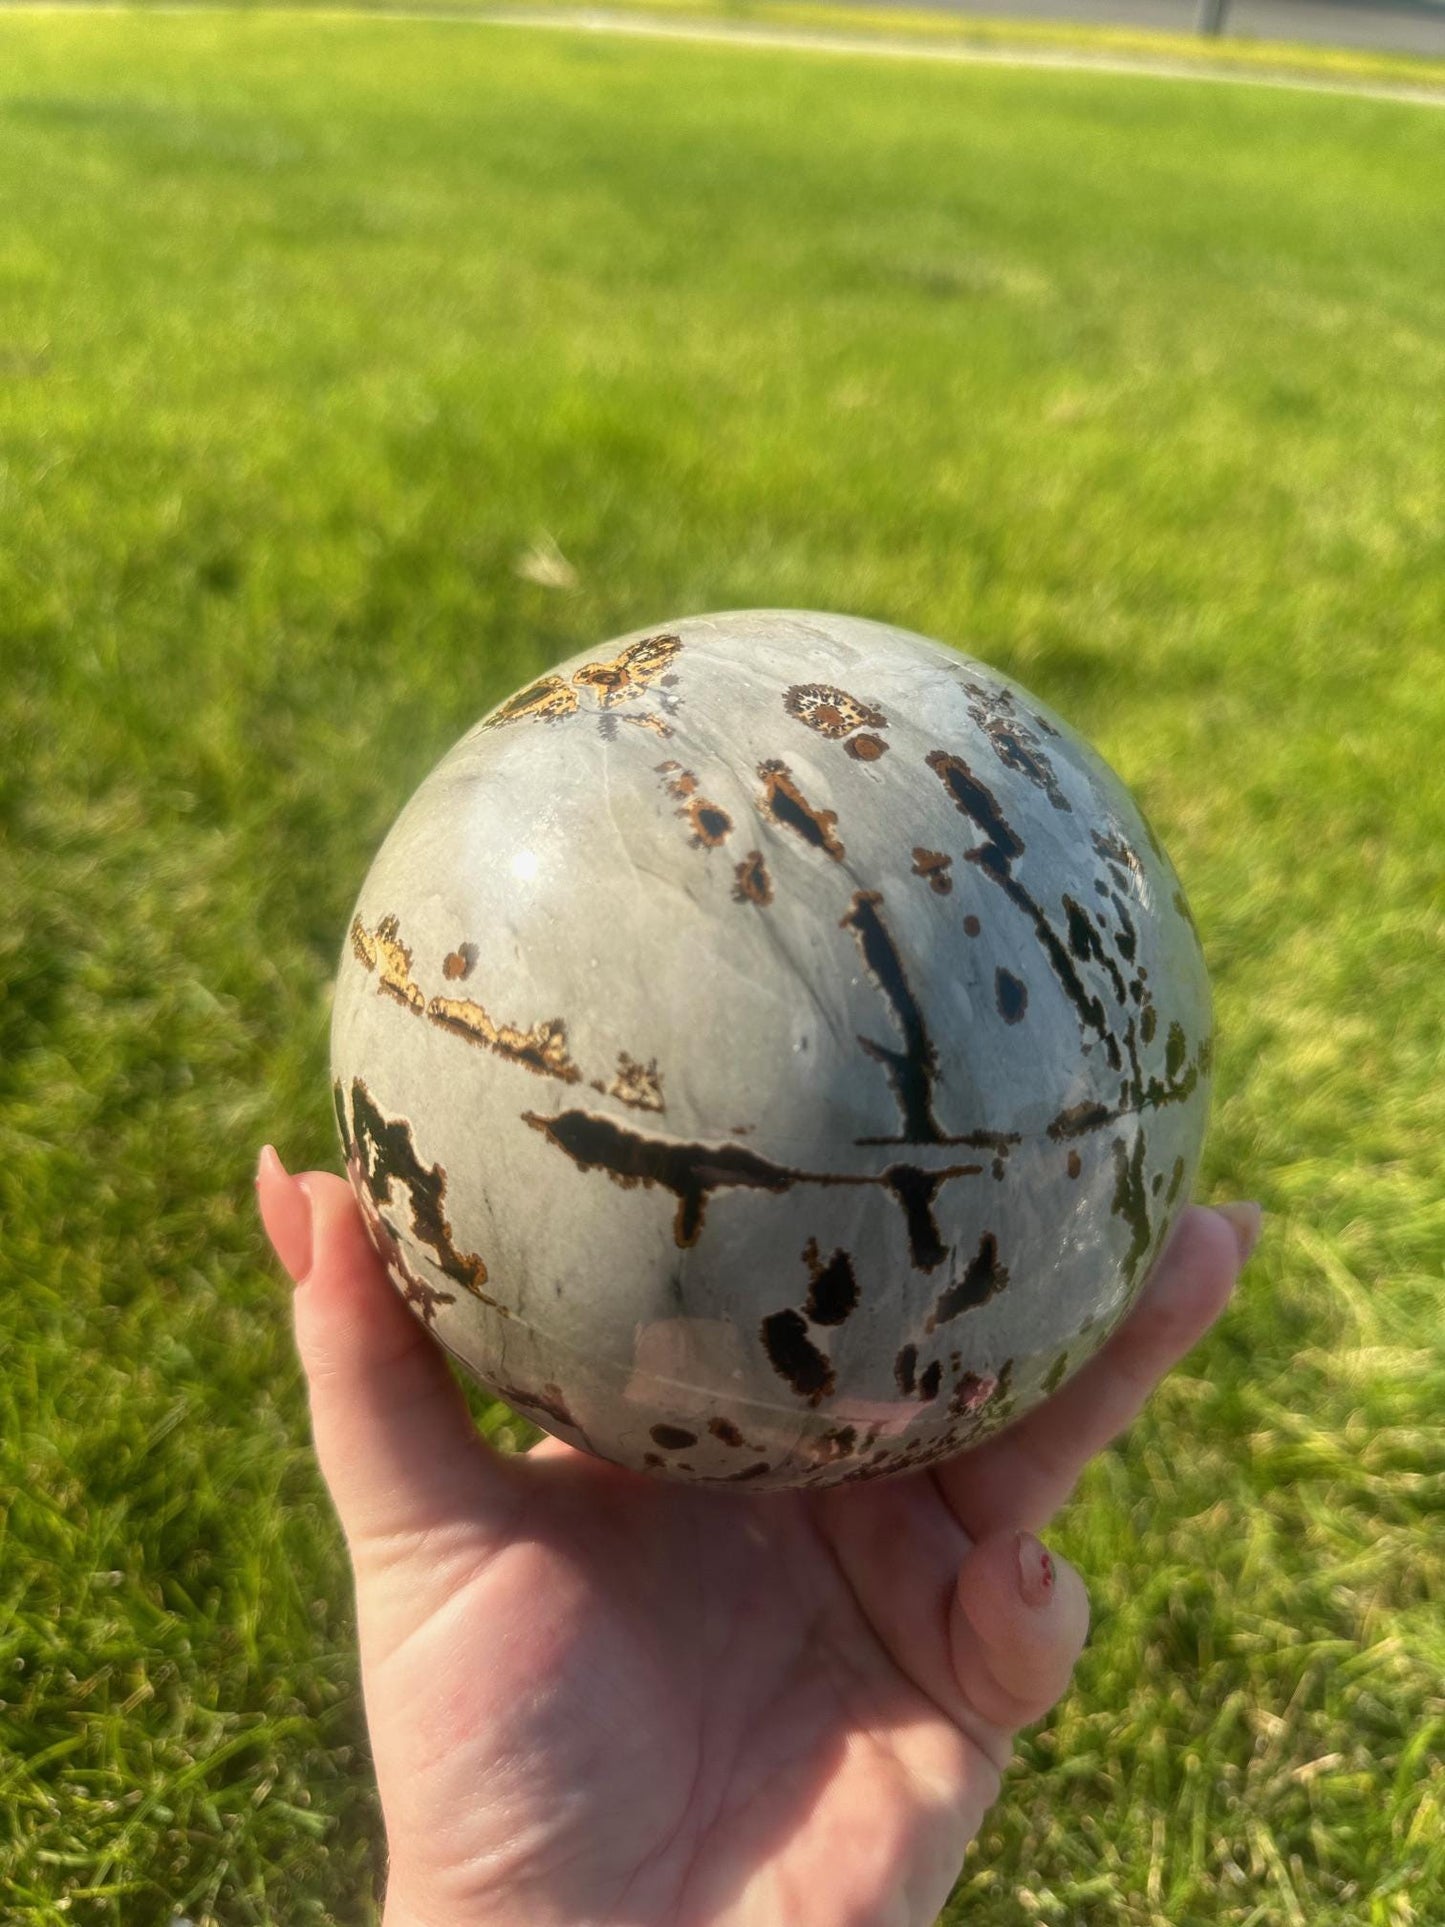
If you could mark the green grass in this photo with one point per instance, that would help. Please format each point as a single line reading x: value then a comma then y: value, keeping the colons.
x: 310, y: 332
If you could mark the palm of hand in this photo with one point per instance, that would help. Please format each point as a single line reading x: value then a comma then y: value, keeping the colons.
x: 598, y: 1698
x: 685, y: 1714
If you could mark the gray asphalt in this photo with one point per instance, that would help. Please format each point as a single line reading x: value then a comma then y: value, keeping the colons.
x: 1414, y: 29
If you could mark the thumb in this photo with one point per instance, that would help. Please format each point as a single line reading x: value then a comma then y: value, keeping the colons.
x: 394, y: 1438
x: 1019, y: 1620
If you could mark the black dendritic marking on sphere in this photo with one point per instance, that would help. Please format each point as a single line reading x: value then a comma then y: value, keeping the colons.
x: 552, y: 1400
x: 1131, y: 1200
x: 1084, y: 939
x: 1087, y: 943
x: 538, y: 1407
x: 795, y: 1357
x: 1056, y: 1374
x: 1080, y: 1119
x: 692, y: 1172
x: 905, y: 1370
x: 910, y: 1071
x: 833, y: 1294
x: 983, y: 1278
x: 1128, y: 937
x: 916, y: 1190
x: 1139, y: 1094
x: 996, y: 856
x: 975, y: 800
x: 785, y: 803
x: 1014, y: 743
x: 751, y: 882
x: 391, y: 1168
x: 833, y: 1445
x: 1176, y: 1049
x: 933, y: 866
x: 971, y: 1392
x: 1011, y: 994
x: 929, y: 1381
x: 672, y: 1438
x: 711, y: 823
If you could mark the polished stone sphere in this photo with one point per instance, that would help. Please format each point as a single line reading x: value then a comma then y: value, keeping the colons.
x: 771, y: 1048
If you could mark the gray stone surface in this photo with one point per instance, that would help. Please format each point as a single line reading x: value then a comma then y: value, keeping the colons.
x: 771, y: 1048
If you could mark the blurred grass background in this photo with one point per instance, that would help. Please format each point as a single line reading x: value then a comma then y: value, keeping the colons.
x: 321, y: 342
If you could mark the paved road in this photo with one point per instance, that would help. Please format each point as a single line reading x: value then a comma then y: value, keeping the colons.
x: 1401, y: 28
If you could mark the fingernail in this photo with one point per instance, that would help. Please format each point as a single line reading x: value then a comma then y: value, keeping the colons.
x: 1036, y: 1571
x: 285, y: 1206
x: 1247, y: 1221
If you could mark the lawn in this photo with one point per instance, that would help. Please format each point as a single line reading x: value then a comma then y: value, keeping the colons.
x: 320, y: 341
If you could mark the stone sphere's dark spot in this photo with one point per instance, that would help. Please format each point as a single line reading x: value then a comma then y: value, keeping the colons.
x: 933, y: 866
x: 1176, y: 1049
x: 672, y: 1438
x: 983, y: 1278
x: 1012, y: 994
x: 1081, y: 932
x: 795, y: 1357
x: 834, y: 1292
x: 785, y: 803
x: 710, y: 823
x: 865, y: 748
x: 972, y: 926
x: 1075, y: 1164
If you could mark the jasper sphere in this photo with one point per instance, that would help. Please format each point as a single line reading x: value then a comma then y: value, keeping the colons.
x: 771, y: 1049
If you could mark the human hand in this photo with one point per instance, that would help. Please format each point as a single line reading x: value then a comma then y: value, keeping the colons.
x: 597, y: 1699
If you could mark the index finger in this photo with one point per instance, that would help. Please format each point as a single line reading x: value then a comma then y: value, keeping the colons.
x: 1022, y: 1476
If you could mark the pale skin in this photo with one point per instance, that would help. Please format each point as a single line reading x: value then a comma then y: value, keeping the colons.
x: 598, y: 1699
